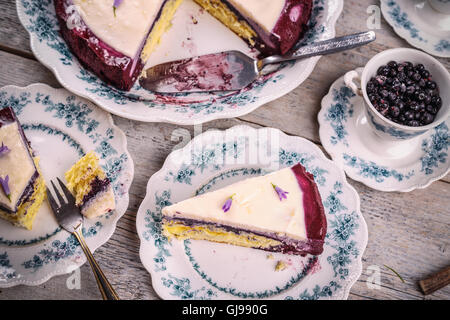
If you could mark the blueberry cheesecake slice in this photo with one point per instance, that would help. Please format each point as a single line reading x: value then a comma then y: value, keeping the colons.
x: 278, y: 212
x: 114, y: 38
x: 90, y: 185
x: 22, y: 187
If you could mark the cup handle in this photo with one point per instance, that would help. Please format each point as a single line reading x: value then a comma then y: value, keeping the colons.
x: 349, y: 81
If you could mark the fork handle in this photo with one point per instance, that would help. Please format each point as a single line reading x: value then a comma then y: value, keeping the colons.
x: 107, y: 291
x: 323, y: 47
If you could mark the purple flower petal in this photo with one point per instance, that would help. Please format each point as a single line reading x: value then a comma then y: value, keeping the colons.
x: 117, y: 3
x: 280, y: 192
x: 5, y: 186
x: 4, y: 150
x: 228, y: 204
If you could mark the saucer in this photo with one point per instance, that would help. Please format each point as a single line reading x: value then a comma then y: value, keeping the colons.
x: 382, y: 165
x: 419, y: 24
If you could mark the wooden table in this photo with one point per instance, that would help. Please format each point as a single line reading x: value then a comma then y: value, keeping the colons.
x: 409, y: 232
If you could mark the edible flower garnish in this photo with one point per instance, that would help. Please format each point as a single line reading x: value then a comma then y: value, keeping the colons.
x: 228, y: 203
x: 3, y: 150
x: 5, y: 186
x: 281, y: 193
x: 116, y: 5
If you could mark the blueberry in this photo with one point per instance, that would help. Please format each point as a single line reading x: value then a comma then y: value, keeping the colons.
x: 409, y: 115
x: 436, y: 101
x: 384, y: 93
x: 370, y: 87
x: 381, y: 80
x: 392, y: 64
x: 420, y: 67
x: 410, y: 90
x: 394, y: 111
x: 416, y: 77
x: 421, y: 96
x: 422, y: 83
x: 392, y: 96
x: 431, y: 85
x: 413, y: 123
x: 425, y: 74
x: 426, y: 118
x: 431, y: 109
x: 402, y: 88
x: 414, y: 106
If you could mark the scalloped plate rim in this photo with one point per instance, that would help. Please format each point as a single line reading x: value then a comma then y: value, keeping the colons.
x: 157, y: 285
x: 167, y: 119
x: 113, y: 226
x: 405, y: 35
x: 333, y: 154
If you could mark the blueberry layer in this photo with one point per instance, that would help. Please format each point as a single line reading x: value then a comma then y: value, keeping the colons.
x: 288, y: 245
x: 289, y: 28
x: 97, y: 186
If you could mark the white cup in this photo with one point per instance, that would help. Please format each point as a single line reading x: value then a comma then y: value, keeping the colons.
x: 383, y: 127
x: 442, y: 6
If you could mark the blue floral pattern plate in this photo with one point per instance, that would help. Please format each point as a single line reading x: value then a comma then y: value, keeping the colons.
x: 61, y: 128
x: 419, y: 24
x: 193, y: 269
x: 398, y: 166
x: 193, y: 32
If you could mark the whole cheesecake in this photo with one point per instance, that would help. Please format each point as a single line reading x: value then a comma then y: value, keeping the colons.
x: 278, y: 212
x: 115, y: 42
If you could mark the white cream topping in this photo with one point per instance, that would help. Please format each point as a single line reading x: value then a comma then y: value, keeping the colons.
x: 256, y: 206
x: 17, y: 164
x: 126, y: 30
x: 263, y: 12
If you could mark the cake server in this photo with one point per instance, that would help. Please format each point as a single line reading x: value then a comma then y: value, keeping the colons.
x: 233, y: 70
x: 69, y: 217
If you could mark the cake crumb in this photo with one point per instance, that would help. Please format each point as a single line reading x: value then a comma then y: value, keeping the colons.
x: 281, y: 265
x: 269, y: 256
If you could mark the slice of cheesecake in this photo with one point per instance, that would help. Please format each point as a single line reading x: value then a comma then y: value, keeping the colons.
x: 90, y: 185
x: 270, y: 26
x: 279, y: 212
x: 22, y: 187
x: 114, y: 39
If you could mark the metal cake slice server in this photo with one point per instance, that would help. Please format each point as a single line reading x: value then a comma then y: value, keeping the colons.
x: 69, y: 217
x: 233, y: 70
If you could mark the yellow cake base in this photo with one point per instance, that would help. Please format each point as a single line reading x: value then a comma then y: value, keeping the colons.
x: 80, y: 176
x: 216, y: 234
x: 26, y: 212
x: 221, y: 12
x: 161, y: 26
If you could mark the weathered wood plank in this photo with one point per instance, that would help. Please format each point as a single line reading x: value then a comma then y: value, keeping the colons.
x: 408, y: 232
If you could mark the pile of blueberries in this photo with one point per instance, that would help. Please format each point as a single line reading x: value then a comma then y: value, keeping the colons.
x: 405, y: 93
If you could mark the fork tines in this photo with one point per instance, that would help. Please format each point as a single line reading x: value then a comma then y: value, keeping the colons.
x: 62, y: 201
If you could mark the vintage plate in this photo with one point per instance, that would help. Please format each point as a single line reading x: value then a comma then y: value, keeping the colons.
x: 193, y: 32
x: 61, y: 128
x: 419, y: 24
x: 400, y: 166
x: 207, y: 270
